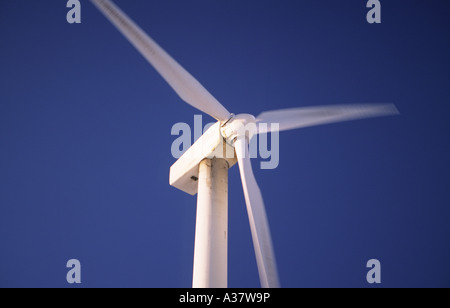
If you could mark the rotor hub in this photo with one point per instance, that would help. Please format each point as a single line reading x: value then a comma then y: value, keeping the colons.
x: 241, y: 125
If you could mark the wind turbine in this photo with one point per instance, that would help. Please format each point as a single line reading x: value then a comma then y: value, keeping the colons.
x: 203, y: 168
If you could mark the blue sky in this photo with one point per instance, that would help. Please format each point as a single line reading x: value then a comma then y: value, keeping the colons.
x: 85, y: 141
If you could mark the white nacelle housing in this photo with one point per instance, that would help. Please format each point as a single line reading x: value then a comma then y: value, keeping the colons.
x: 184, y: 172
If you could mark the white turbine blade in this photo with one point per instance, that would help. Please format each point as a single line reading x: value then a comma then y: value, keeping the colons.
x: 259, y: 225
x: 310, y: 116
x: 186, y: 86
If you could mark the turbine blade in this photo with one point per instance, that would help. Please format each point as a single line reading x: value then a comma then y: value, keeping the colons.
x: 259, y: 225
x: 184, y: 84
x: 311, y: 116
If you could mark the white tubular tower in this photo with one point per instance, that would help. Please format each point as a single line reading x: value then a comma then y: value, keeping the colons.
x: 211, y: 234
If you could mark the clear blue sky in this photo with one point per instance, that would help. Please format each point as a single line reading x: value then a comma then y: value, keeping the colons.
x: 85, y: 141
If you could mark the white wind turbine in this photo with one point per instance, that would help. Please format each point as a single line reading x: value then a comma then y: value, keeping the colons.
x: 203, y: 168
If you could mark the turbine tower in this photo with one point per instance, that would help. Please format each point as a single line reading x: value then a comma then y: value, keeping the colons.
x: 203, y: 168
